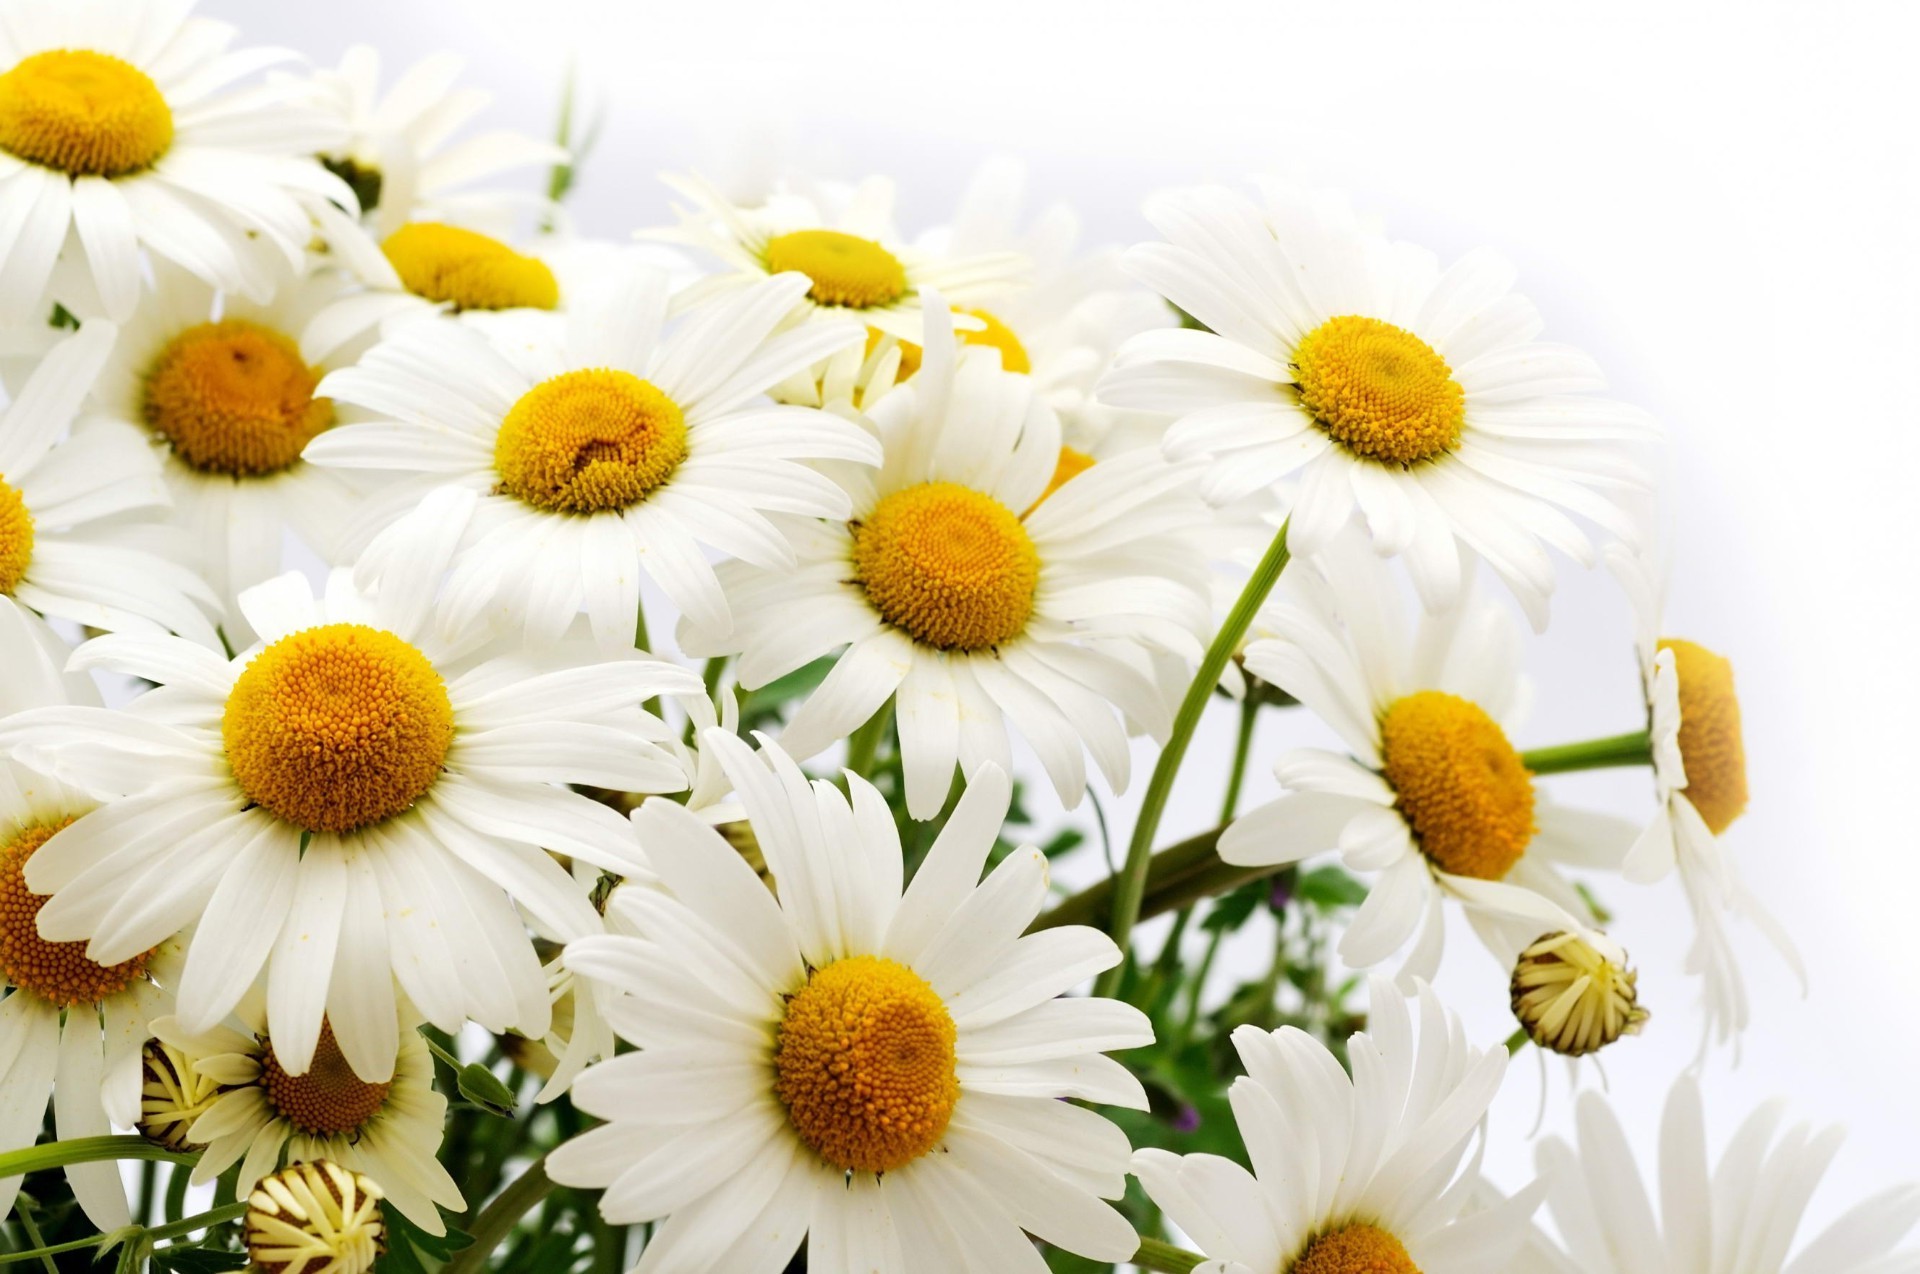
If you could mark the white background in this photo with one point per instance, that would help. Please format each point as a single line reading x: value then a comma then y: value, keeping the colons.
x: 1718, y: 201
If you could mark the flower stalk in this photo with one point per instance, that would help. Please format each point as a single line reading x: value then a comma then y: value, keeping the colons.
x: 1631, y: 748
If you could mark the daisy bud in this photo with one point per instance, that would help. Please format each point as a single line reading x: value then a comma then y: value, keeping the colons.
x: 1575, y: 995
x: 315, y: 1218
x: 172, y: 1095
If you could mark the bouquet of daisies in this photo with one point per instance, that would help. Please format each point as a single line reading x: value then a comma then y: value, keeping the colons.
x: 519, y: 752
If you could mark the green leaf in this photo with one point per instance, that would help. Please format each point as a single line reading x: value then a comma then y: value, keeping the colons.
x: 1330, y: 889
x: 1235, y: 909
x: 484, y: 1089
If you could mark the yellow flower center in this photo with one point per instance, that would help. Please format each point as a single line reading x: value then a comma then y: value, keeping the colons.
x: 950, y: 565
x: 1354, y: 1249
x: 1711, y: 746
x: 1382, y: 392
x: 1572, y: 999
x: 57, y: 972
x: 83, y: 113
x: 337, y: 727
x: 1460, y: 785
x: 468, y: 270
x: 236, y: 398
x: 1013, y: 355
x: 1071, y: 465
x: 845, y: 269
x: 329, y: 1099
x: 589, y: 441
x: 315, y: 1218
x: 864, y: 1064
x: 172, y: 1095
x: 16, y: 537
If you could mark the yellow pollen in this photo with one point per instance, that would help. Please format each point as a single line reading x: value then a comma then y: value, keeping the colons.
x: 1354, y: 1249
x: 329, y: 1100
x: 315, y: 1218
x: 864, y: 1064
x: 57, y: 972
x: 1013, y: 355
x: 1711, y: 746
x: 951, y: 566
x: 1459, y: 783
x: 1572, y: 999
x: 1382, y: 392
x: 589, y: 441
x: 1071, y: 465
x: 83, y: 113
x: 16, y: 537
x: 845, y: 269
x: 337, y: 727
x: 236, y: 398
x: 468, y: 270
x: 172, y: 1095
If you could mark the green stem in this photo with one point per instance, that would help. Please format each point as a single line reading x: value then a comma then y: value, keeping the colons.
x: 640, y: 639
x: 38, y: 1244
x: 863, y: 745
x: 177, y: 1181
x: 58, y: 1154
x: 1090, y: 905
x: 1242, y: 747
x: 710, y: 674
x: 1631, y: 748
x: 174, y: 1229
x: 1132, y: 882
x: 1516, y: 1041
x: 497, y: 1219
x: 1156, y: 1255
x: 1192, y: 1018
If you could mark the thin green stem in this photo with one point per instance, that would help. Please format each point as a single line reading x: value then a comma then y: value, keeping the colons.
x: 1242, y: 746
x: 177, y: 1179
x: 497, y: 1219
x: 174, y: 1229
x: 640, y: 639
x: 863, y: 745
x: 1516, y: 1041
x: 1156, y: 1255
x: 58, y: 1154
x: 1090, y: 905
x: 1131, y: 884
x: 1192, y: 1018
x: 1631, y: 748
x: 710, y: 674
x: 27, y: 1223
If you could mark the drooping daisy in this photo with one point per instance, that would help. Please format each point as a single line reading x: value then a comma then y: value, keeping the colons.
x: 1434, y: 801
x: 120, y: 132
x: 401, y: 154
x: 974, y: 592
x: 62, y: 1014
x: 225, y: 390
x: 316, y: 1218
x: 1739, y: 1218
x: 1360, y: 1175
x: 353, y: 801
x: 67, y: 548
x: 1419, y: 397
x: 1574, y: 993
x: 1700, y: 778
x: 389, y: 1129
x: 595, y: 448
x: 874, y: 1070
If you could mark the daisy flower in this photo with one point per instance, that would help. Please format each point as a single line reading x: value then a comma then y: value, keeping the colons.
x: 352, y: 801
x: 1418, y: 396
x: 1360, y: 1175
x: 400, y: 152
x: 592, y: 449
x: 66, y: 546
x: 316, y: 1212
x: 119, y: 132
x: 390, y: 1130
x: 1742, y: 1216
x: 1700, y: 779
x: 758, y: 1017
x: 1434, y: 801
x: 61, y: 1013
x: 975, y: 592
x: 224, y: 387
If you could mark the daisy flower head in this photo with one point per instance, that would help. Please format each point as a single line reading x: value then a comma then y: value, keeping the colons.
x: 1419, y: 397
x: 1432, y: 799
x: 62, y: 1013
x: 758, y: 1018
x: 316, y: 1218
x: 266, y: 1113
x: 975, y: 591
x: 596, y: 447
x: 1742, y: 1214
x: 224, y: 388
x: 1700, y: 782
x: 121, y: 132
x: 68, y: 493
x: 350, y: 802
x: 1360, y: 1175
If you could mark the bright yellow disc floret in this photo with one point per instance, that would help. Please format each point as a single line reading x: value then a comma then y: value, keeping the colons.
x: 864, y: 1064
x: 844, y: 269
x: 235, y: 398
x: 1379, y: 390
x: 83, y: 113
x: 589, y: 441
x: 1712, y: 749
x: 58, y: 972
x: 337, y: 727
x: 468, y: 270
x: 1458, y: 783
x: 950, y: 565
x: 16, y: 537
x: 1354, y: 1249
